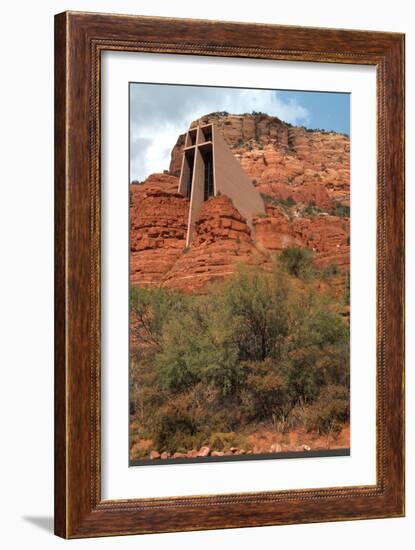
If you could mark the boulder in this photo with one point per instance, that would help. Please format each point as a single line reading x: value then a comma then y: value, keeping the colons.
x: 203, y: 451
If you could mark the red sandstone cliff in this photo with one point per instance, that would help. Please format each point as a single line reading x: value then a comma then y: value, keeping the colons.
x: 158, y: 226
x: 222, y: 240
x: 302, y: 175
x: 282, y: 160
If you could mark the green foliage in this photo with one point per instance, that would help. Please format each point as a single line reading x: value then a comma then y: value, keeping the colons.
x: 341, y: 210
x: 267, y: 198
x: 265, y: 392
x: 254, y: 307
x: 217, y: 114
x: 197, y: 347
x: 239, y: 143
x: 223, y: 441
x: 311, y: 210
x: 330, y: 270
x: 318, y: 352
x: 327, y: 414
x: 251, y: 351
x: 316, y: 130
x: 298, y: 261
x: 151, y: 308
x: 286, y: 204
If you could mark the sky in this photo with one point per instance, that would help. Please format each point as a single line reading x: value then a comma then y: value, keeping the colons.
x: 159, y: 113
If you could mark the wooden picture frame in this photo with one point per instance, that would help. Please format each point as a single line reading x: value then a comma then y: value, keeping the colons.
x: 79, y: 40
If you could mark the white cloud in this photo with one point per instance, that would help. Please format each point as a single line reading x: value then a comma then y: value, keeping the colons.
x: 160, y: 113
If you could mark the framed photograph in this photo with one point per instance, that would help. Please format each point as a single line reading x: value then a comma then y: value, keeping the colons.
x: 229, y: 275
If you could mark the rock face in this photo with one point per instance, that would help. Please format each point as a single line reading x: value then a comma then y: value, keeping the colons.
x: 327, y: 236
x: 303, y: 177
x: 283, y: 161
x: 176, y: 156
x: 222, y: 240
x: 158, y: 226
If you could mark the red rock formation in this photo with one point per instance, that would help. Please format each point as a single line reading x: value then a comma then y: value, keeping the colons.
x: 275, y: 233
x: 222, y: 241
x: 158, y: 227
x: 307, y: 193
x: 310, y: 168
x: 176, y: 156
x: 282, y: 160
x: 327, y: 236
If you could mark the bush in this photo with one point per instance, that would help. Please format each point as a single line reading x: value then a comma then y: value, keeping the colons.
x: 265, y: 392
x: 217, y: 114
x: 255, y: 310
x: 248, y: 352
x: 311, y: 209
x: 223, y: 441
x: 151, y: 308
x: 176, y: 433
x: 318, y: 351
x: 179, y: 424
x: 298, y: 261
x: 285, y: 204
x: 198, y: 347
x: 341, y: 210
x: 330, y: 270
x: 328, y: 413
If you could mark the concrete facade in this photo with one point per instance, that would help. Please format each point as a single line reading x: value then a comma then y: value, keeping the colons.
x: 209, y: 168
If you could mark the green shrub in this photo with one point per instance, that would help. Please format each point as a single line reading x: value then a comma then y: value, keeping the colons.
x: 328, y: 413
x: 217, y: 114
x: 298, y: 261
x: 198, y: 347
x: 341, y: 210
x: 151, y: 309
x: 330, y: 270
x: 286, y: 204
x: 265, y: 392
x: 223, y: 441
x: 255, y: 350
x: 255, y: 310
x: 178, y: 424
x: 311, y: 210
